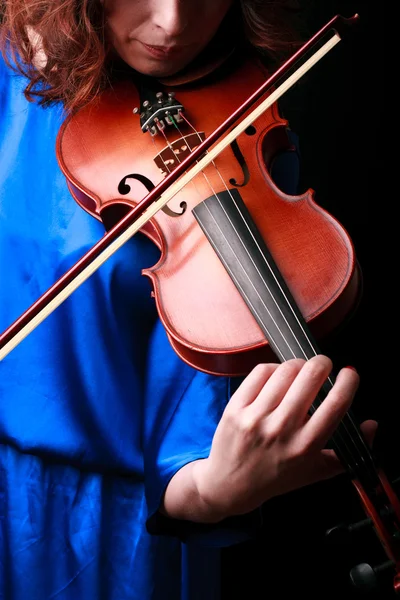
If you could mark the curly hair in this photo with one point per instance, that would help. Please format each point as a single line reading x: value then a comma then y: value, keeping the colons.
x: 60, y: 46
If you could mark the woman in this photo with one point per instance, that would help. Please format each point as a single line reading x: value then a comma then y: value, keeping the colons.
x: 124, y: 470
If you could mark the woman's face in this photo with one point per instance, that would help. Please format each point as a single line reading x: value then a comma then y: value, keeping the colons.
x: 160, y: 37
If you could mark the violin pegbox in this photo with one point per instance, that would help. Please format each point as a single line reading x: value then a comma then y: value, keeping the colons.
x: 159, y: 110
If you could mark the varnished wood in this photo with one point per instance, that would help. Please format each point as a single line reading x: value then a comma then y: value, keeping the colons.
x: 206, y: 320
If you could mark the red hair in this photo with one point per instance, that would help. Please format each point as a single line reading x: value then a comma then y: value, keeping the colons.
x: 71, y: 35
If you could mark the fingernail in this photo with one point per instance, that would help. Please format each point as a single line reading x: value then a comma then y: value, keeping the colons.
x: 352, y: 368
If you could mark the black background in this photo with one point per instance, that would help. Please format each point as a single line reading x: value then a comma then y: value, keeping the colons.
x: 337, y: 111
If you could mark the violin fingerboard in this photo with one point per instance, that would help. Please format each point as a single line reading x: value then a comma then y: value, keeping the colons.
x: 230, y: 229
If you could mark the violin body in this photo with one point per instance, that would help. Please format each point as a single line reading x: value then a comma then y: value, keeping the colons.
x: 207, y: 322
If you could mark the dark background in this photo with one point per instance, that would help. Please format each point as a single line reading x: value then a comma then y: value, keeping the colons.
x: 337, y: 112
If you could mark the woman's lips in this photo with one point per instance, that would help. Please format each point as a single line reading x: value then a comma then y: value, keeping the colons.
x: 163, y: 52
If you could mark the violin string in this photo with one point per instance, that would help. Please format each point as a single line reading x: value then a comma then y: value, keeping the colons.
x: 173, y: 152
x: 160, y: 155
x: 286, y: 341
x: 191, y: 150
x: 212, y: 162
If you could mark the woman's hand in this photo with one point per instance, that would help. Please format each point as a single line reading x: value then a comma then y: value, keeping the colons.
x: 266, y: 443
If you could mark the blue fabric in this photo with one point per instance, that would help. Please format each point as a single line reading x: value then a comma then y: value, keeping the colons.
x: 90, y: 394
x: 97, y: 412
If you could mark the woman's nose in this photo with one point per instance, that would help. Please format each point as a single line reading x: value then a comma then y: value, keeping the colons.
x: 172, y: 15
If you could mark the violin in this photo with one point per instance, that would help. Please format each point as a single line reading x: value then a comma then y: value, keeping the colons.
x: 246, y: 273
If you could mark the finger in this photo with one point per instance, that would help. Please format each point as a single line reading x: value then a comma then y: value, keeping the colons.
x: 292, y: 410
x: 327, y: 465
x: 368, y: 429
x: 252, y: 385
x: 276, y: 388
x: 325, y: 420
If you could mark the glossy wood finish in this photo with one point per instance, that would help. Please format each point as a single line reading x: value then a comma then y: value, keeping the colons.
x: 207, y: 321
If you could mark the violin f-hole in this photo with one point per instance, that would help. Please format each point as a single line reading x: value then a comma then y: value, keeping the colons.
x: 124, y: 188
x: 242, y: 164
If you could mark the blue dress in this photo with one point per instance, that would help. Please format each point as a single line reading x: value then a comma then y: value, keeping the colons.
x: 97, y: 412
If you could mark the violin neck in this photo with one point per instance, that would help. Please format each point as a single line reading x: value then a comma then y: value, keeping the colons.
x: 230, y: 229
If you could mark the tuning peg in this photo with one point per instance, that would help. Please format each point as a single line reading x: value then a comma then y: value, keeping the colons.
x: 339, y: 533
x: 366, y: 578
